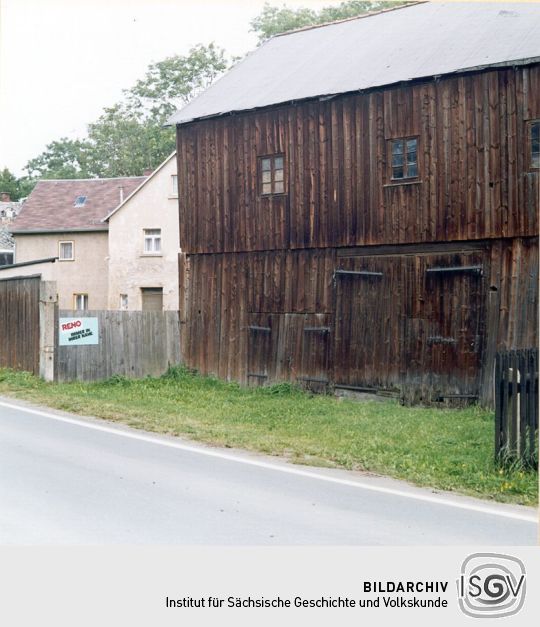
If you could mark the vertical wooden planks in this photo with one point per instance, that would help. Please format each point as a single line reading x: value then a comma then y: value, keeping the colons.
x: 131, y: 344
x: 19, y: 324
x: 473, y: 183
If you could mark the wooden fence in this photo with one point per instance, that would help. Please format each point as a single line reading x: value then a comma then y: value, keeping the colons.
x: 131, y: 343
x: 516, y: 406
x: 19, y: 323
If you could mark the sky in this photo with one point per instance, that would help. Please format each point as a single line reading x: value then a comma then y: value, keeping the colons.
x: 62, y: 61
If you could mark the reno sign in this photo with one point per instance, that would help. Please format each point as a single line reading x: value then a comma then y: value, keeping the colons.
x: 78, y: 331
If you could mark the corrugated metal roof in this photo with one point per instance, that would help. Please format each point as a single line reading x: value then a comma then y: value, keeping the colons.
x: 417, y: 41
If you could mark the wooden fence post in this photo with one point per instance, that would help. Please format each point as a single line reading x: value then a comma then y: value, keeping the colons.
x: 516, y: 406
x: 48, y: 300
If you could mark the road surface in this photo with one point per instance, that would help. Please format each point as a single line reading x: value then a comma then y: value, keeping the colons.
x: 72, y: 480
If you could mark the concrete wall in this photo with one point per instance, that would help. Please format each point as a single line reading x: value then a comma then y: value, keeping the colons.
x: 153, y: 207
x: 87, y: 274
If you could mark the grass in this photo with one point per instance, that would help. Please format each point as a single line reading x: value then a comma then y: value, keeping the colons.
x: 447, y: 449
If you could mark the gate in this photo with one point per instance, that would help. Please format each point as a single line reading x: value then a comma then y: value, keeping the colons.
x: 19, y: 323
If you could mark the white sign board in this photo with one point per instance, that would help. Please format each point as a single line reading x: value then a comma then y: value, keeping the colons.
x: 78, y: 331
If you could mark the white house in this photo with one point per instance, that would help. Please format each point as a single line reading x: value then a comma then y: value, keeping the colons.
x: 144, y: 244
x: 60, y: 234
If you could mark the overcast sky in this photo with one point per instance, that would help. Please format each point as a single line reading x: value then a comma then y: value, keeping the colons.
x: 62, y: 61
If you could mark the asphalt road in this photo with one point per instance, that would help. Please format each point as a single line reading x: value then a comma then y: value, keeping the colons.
x: 71, y: 480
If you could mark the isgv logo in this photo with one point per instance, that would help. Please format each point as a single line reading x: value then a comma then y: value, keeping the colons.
x: 491, y: 585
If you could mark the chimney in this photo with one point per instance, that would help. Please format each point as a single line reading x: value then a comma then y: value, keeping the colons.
x: 121, y: 189
x: 5, y: 196
x: 147, y: 171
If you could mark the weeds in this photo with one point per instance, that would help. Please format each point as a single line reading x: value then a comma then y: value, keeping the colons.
x: 450, y: 449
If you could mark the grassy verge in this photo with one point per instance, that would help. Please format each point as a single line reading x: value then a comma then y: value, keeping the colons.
x: 440, y: 448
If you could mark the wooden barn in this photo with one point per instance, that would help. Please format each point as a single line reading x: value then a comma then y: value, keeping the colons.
x: 359, y: 204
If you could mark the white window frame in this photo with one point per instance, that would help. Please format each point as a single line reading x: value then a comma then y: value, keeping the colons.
x: 82, y: 295
x: 153, y: 249
x: 66, y: 241
x: 174, y: 185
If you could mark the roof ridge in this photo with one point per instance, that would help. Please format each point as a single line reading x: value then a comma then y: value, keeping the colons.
x: 139, y: 187
x: 405, y: 5
x: 110, y: 178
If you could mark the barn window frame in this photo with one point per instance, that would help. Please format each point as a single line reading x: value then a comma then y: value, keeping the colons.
x: 274, y: 175
x: 405, y: 165
x: 533, y: 164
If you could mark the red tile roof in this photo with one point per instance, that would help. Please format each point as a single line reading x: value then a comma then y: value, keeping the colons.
x: 51, y: 206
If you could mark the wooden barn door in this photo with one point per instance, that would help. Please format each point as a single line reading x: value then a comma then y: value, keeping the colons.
x: 369, y: 299
x: 411, y: 324
x: 450, y: 350
x: 289, y: 347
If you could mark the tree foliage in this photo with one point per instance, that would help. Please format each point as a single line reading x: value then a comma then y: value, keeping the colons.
x: 274, y: 20
x: 124, y: 143
x: 17, y: 188
x: 62, y: 159
x: 176, y: 80
x: 129, y: 136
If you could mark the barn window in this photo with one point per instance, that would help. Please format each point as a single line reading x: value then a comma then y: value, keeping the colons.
x: 404, y: 158
x: 272, y: 175
x: 534, y: 144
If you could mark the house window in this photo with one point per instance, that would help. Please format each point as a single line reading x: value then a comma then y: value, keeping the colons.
x: 404, y: 158
x: 152, y: 241
x: 66, y: 251
x: 272, y: 175
x: 174, y: 185
x: 123, y: 302
x: 80, y: 201
x: 80, y: 301
x: 534, y: 144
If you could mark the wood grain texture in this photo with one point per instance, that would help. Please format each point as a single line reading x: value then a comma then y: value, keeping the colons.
x: 257, y: 262
x: 19, y: 324
x: 422, y: 321
x: 131, y: 344
x: 473, y: 183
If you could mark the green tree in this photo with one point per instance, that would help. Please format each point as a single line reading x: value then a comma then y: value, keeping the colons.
x: 176, y: 80
x: 124, y: 143
x: 17, y: 188
x: 129, y: 136
x: 274, y: 20
x: 62, y: 159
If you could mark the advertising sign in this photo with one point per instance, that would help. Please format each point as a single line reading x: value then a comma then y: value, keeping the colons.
x: 78, y: 331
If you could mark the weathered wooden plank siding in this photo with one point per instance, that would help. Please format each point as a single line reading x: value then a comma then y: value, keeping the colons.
x: 259, y: 269
x: 512, y: 303
x: 131, y: 343
x: 474, y: 182
x: 19, y: 324
x: 422, y: 321
x: 222, y: 292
